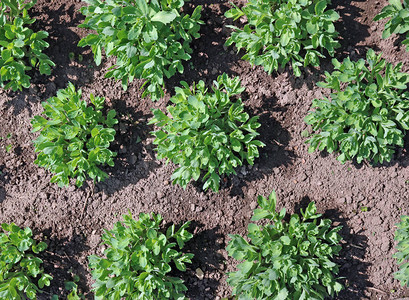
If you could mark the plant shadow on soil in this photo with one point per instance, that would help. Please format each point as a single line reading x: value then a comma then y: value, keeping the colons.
x: 63, y: 41
x: 135, y: 159
x: 21, y: 101
x: 60, y: 263
x: 205, y: 246
x: 402, y: 154
x: 351, y: 29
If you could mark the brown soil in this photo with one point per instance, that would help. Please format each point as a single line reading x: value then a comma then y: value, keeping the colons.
x: 72, y: 219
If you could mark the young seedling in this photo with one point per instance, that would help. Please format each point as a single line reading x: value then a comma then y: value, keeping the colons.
x: 367, y: 113
x: 206, y: 131
x: 285, y: 260
x: 74, y: 137
x: 138, y: 259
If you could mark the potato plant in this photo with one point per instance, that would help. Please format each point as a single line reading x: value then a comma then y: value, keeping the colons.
x: 206, y: 131
x: 21, y: 274
x: 402, y: 253
x: 74, y: 137
x: 398, y: 23
x: 138, y: 259
x: 150, y: 39
x: 20, y: 47
x: 285, y: 260
x: 367, y: 114
x: 279, y: 32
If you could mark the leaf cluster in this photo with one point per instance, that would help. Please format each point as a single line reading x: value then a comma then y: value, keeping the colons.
x: 21, y: 275
x: 402, y: 254
x: 285, y: 260
x: 398, y: 23
x: 149, y: 39
x: 279, y: 32
x: 206, y: 131
x: 75, y: 137
x: 138, y: 260
x: 20, y: 47
x: 367, y: 115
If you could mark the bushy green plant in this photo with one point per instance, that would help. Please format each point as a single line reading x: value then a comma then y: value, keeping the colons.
x: 20, y: 47
x: 399, y: 19
x: 284, y: 31
x: 149, y: 38
x: 367, y: 115
x: 402, y: 254
x: 74, y: 137
x: 21, y: 275
x: 206, y: 131
x: 285, y: 260
x: 138, y: 259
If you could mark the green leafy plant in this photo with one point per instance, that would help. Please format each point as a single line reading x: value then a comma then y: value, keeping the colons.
x: 285, y: 260
x: 367, y: 115
x: 284, y: 31
x: 399, y: 19
x: 149, y: 39
x: 402, y: 254
x: 21, y: 275
x: 20, y: 47
x: 138, y: 259
x: 74, y: 137
x: 206, y: 131
x: 72, y: 288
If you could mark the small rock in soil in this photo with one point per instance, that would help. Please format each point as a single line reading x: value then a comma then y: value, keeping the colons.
x: 122, y: 149
x: 199, y: 273
x: 253, y: 205
x: 192, y: 207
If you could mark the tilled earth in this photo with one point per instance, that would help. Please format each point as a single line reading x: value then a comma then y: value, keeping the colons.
x: 71, y: 220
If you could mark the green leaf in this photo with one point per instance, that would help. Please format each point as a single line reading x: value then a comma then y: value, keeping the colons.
x: 164, y: 17
x: 320, y: 7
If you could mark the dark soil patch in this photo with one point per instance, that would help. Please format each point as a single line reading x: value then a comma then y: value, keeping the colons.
x: 72, y: 219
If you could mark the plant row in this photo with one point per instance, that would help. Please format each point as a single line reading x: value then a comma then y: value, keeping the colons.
x: 278, y: 260
x: 207, y: 133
